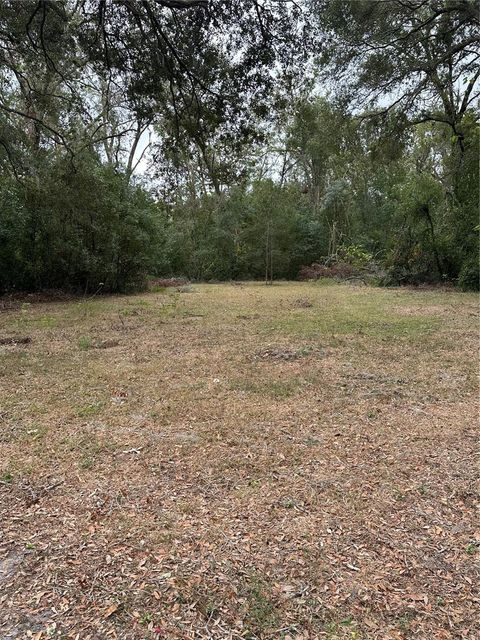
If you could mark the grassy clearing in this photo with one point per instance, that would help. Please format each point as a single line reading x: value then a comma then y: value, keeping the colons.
x: 241, y: 462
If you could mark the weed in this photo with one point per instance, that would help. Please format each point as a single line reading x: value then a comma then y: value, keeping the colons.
x: 169, y: 308
x: 89, y: 409
x: 84, y: 343
x: 211, y: 610
x: 46, y: 322
x: 472, y: 548
x: 36, y: 433
x: 260, y: 612
x: 129, y: 312
x: 335, y: 628
x: 6, y: 478
x: 404, y: 622
x: 186, y: 507
x: 87, y: 462
x: 145, y: 618
x: 279, y: 388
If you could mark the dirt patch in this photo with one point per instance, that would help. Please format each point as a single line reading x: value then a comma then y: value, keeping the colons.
x: 108, y: 343
x: 9, y: 565
x: 302, y: 303
x: 14, y: 340
x: 286, y: 354
x: 15, y: 300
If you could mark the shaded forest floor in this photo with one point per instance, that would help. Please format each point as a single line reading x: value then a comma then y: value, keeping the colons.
x: 295, y: 461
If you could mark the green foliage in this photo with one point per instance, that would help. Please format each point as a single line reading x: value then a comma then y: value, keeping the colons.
x: 472, y: 548
x: 81, y: 227
x: 85, y: 343
x: 6, y: 478
x: 225, y: 237
x: 355, y: 255
x: 85, y: 227
x: 350, y: 197
x: 413, y: 58
x: 469, y: 276
x: 261, y: 613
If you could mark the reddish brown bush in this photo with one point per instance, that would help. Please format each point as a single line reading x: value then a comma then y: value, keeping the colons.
x: 340, y: 270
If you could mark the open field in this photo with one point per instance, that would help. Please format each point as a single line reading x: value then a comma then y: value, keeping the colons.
x: 295, y: 461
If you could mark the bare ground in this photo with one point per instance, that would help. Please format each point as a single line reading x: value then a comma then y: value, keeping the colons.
x: 295, y: 461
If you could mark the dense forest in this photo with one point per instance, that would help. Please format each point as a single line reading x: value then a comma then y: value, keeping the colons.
x: 248, y: 139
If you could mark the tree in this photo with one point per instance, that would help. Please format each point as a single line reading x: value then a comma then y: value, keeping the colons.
x: 401, y: 63
x: 418, y: 59
x: 193, y: 62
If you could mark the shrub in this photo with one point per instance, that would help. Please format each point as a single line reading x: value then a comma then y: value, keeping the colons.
x: 469, y: 276
x: 350, y: 262
x: 355, y: 255
x: 80, y: 229
x: 339, y: 270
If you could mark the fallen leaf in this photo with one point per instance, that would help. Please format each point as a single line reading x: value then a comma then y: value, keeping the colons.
x: 111, y: 610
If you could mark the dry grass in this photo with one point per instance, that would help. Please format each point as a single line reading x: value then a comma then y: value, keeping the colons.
x: 225, y: 462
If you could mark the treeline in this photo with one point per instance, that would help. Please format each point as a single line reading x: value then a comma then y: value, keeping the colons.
x: 338, y: 185
x: 84, y: 225
x: 246, y: 171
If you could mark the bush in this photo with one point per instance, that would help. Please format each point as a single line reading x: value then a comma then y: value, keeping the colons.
x: 339, y: 270
x: 81, y: 228
x: 350, y: 262
x: 356, y: 256
x: 469, y: 276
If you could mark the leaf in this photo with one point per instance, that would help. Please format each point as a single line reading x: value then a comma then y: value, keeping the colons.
x: 111, y: 610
